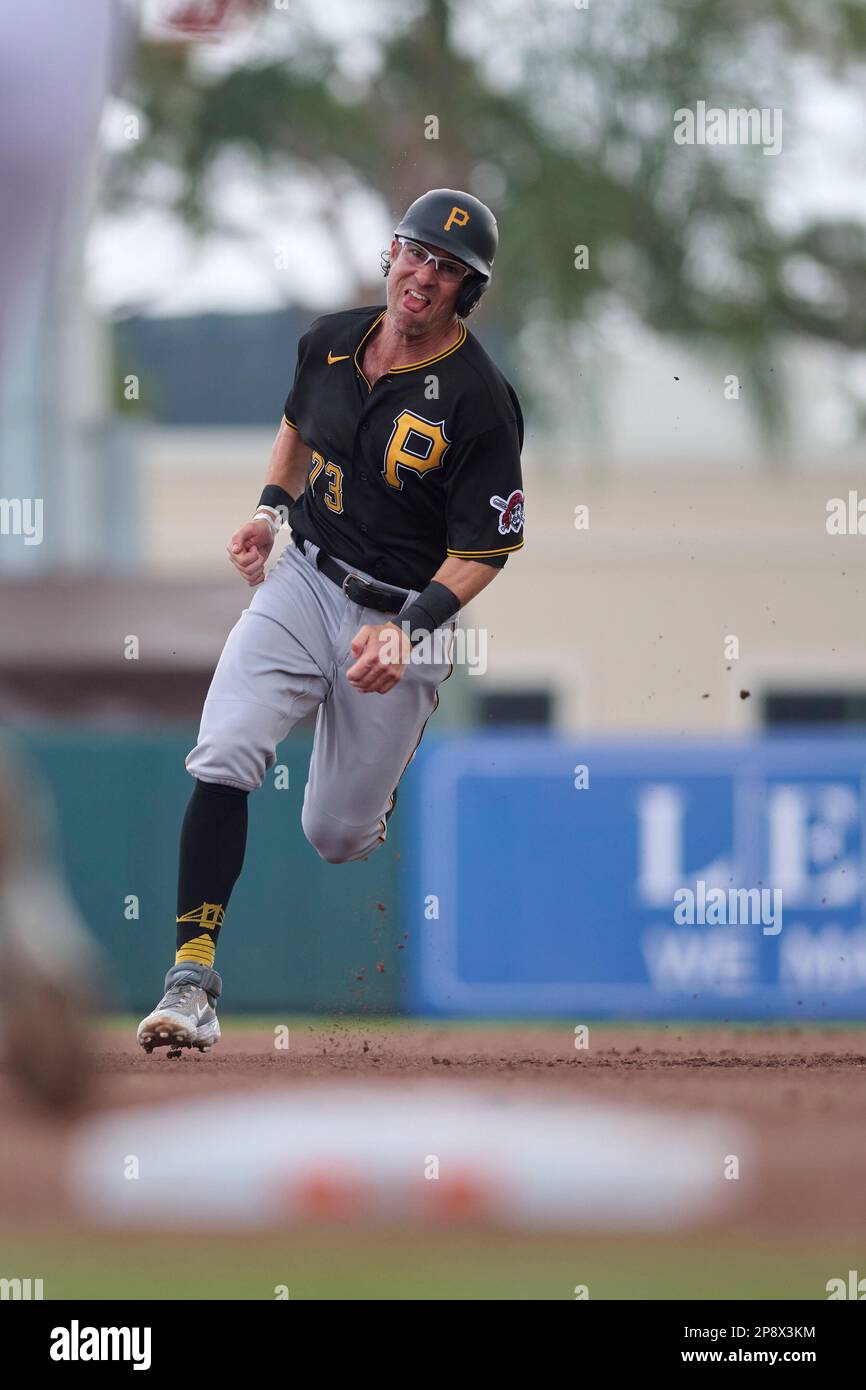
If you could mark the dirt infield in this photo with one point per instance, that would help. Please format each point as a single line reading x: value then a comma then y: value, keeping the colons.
x: 800, y: 1091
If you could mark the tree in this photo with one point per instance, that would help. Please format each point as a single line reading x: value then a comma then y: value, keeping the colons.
x: 564, y: 119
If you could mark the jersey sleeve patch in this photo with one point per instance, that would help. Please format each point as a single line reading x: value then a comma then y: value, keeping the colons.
x: 510, y: 511
x: 484, y: 496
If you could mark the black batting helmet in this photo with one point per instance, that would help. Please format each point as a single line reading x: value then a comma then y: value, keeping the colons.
x: 448, y: 218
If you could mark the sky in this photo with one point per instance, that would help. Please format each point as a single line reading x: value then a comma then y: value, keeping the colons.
x: 276, y: 250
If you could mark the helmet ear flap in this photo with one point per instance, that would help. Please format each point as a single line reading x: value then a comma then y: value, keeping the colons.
x: 470, y: 293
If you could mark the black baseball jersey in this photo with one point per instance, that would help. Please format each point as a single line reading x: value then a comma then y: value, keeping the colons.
x: 424, y: 464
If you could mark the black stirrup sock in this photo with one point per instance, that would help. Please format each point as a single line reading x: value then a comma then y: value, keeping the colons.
x: 213, y: 840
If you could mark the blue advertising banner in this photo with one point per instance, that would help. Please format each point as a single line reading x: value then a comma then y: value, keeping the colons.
x: 637, y: 878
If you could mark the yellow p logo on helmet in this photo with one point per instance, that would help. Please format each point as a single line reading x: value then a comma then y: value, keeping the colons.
x: 458, y: 216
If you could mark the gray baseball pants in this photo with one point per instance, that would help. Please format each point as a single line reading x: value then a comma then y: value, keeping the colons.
x: 286, y: 656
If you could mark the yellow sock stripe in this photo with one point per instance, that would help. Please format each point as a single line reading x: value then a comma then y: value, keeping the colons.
x: 202, y: 950
x: 198, y: 948
x: 208, y: 915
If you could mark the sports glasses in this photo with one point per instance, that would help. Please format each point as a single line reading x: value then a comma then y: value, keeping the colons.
x: 450, y: 272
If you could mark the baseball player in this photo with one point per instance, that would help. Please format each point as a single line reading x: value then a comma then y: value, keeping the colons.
x: 397, y: 466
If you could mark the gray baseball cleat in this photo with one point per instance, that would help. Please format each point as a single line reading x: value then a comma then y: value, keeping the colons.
x: 186, y: 1014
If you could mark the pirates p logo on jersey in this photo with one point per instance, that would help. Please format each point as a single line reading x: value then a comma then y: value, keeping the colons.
x: 510, y: 512
x: 415, y: 443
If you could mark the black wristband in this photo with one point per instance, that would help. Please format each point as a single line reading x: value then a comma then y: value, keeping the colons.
x: 278, y: 498
x: 433, y: 607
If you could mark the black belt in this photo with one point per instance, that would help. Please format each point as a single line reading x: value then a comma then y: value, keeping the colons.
x: 354, y: 587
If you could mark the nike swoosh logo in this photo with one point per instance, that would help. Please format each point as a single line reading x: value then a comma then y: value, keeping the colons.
x: 332, y: 359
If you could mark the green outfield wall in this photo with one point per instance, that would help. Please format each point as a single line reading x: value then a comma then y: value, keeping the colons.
x: 299, y: 935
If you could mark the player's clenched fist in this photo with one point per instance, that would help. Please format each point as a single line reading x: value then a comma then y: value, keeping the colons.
x: 383, y: 653
x: 248, y: 549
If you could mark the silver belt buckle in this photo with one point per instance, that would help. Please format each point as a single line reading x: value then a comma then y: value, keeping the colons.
x: 350, y: 574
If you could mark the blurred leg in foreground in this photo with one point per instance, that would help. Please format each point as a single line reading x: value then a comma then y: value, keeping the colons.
x: 50, y: 972
x: 56, y: 64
